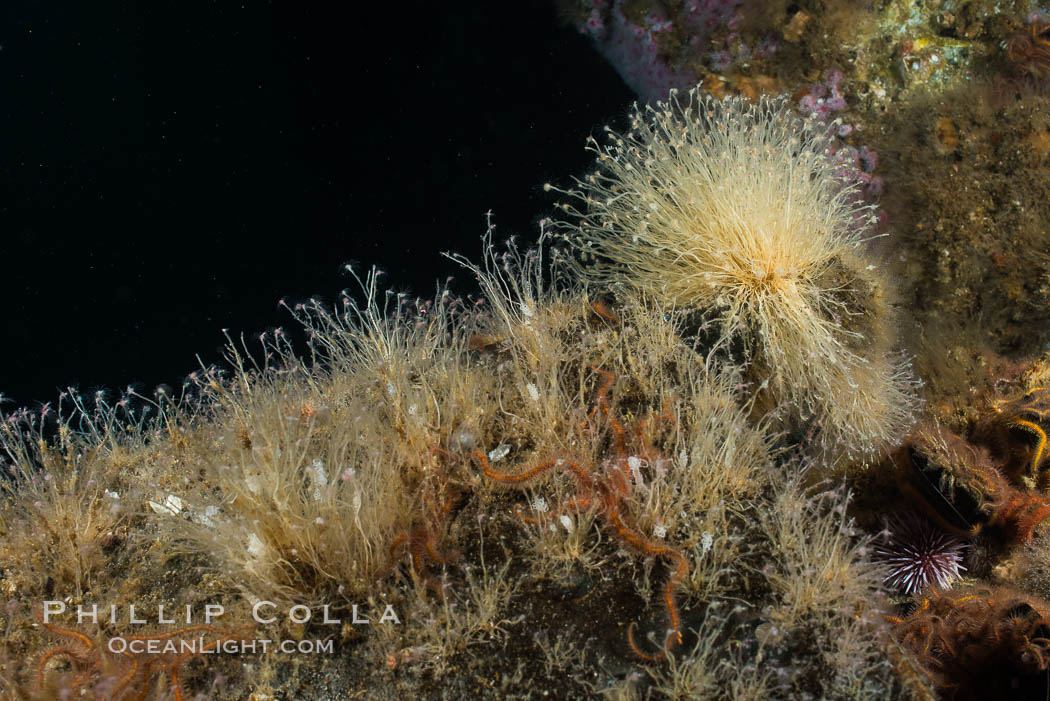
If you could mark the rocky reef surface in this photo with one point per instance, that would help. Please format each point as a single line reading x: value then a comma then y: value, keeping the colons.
x: 759, y: 415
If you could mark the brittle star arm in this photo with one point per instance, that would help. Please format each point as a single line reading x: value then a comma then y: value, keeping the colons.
x: 674, y: 634
x: 1040, y: 444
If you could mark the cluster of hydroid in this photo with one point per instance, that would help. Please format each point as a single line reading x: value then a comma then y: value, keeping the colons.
x: 84, y: 483
x: 456, y: 460
x: 620, y: 394
x: 737, y: 209
x: 64, y: 498
x: 655, y: 450
x: 353, y: 477
x: 331, y: 476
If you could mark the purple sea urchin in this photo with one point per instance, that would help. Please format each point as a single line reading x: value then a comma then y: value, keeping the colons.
x: 919, y: 556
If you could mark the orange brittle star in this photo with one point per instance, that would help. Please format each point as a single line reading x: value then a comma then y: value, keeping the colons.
x: 1031, y: 49
x: 123, y: 675
x: 1026, y: 414
x: 958, y: 633
x: 607, y: 493
x: 996, y: 501
x: 422, y: 538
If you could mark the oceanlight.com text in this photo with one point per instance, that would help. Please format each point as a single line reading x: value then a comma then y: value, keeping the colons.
x: 201, y: 646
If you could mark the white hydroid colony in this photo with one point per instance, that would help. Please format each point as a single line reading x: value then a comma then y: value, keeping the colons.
x: 737, y: 209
